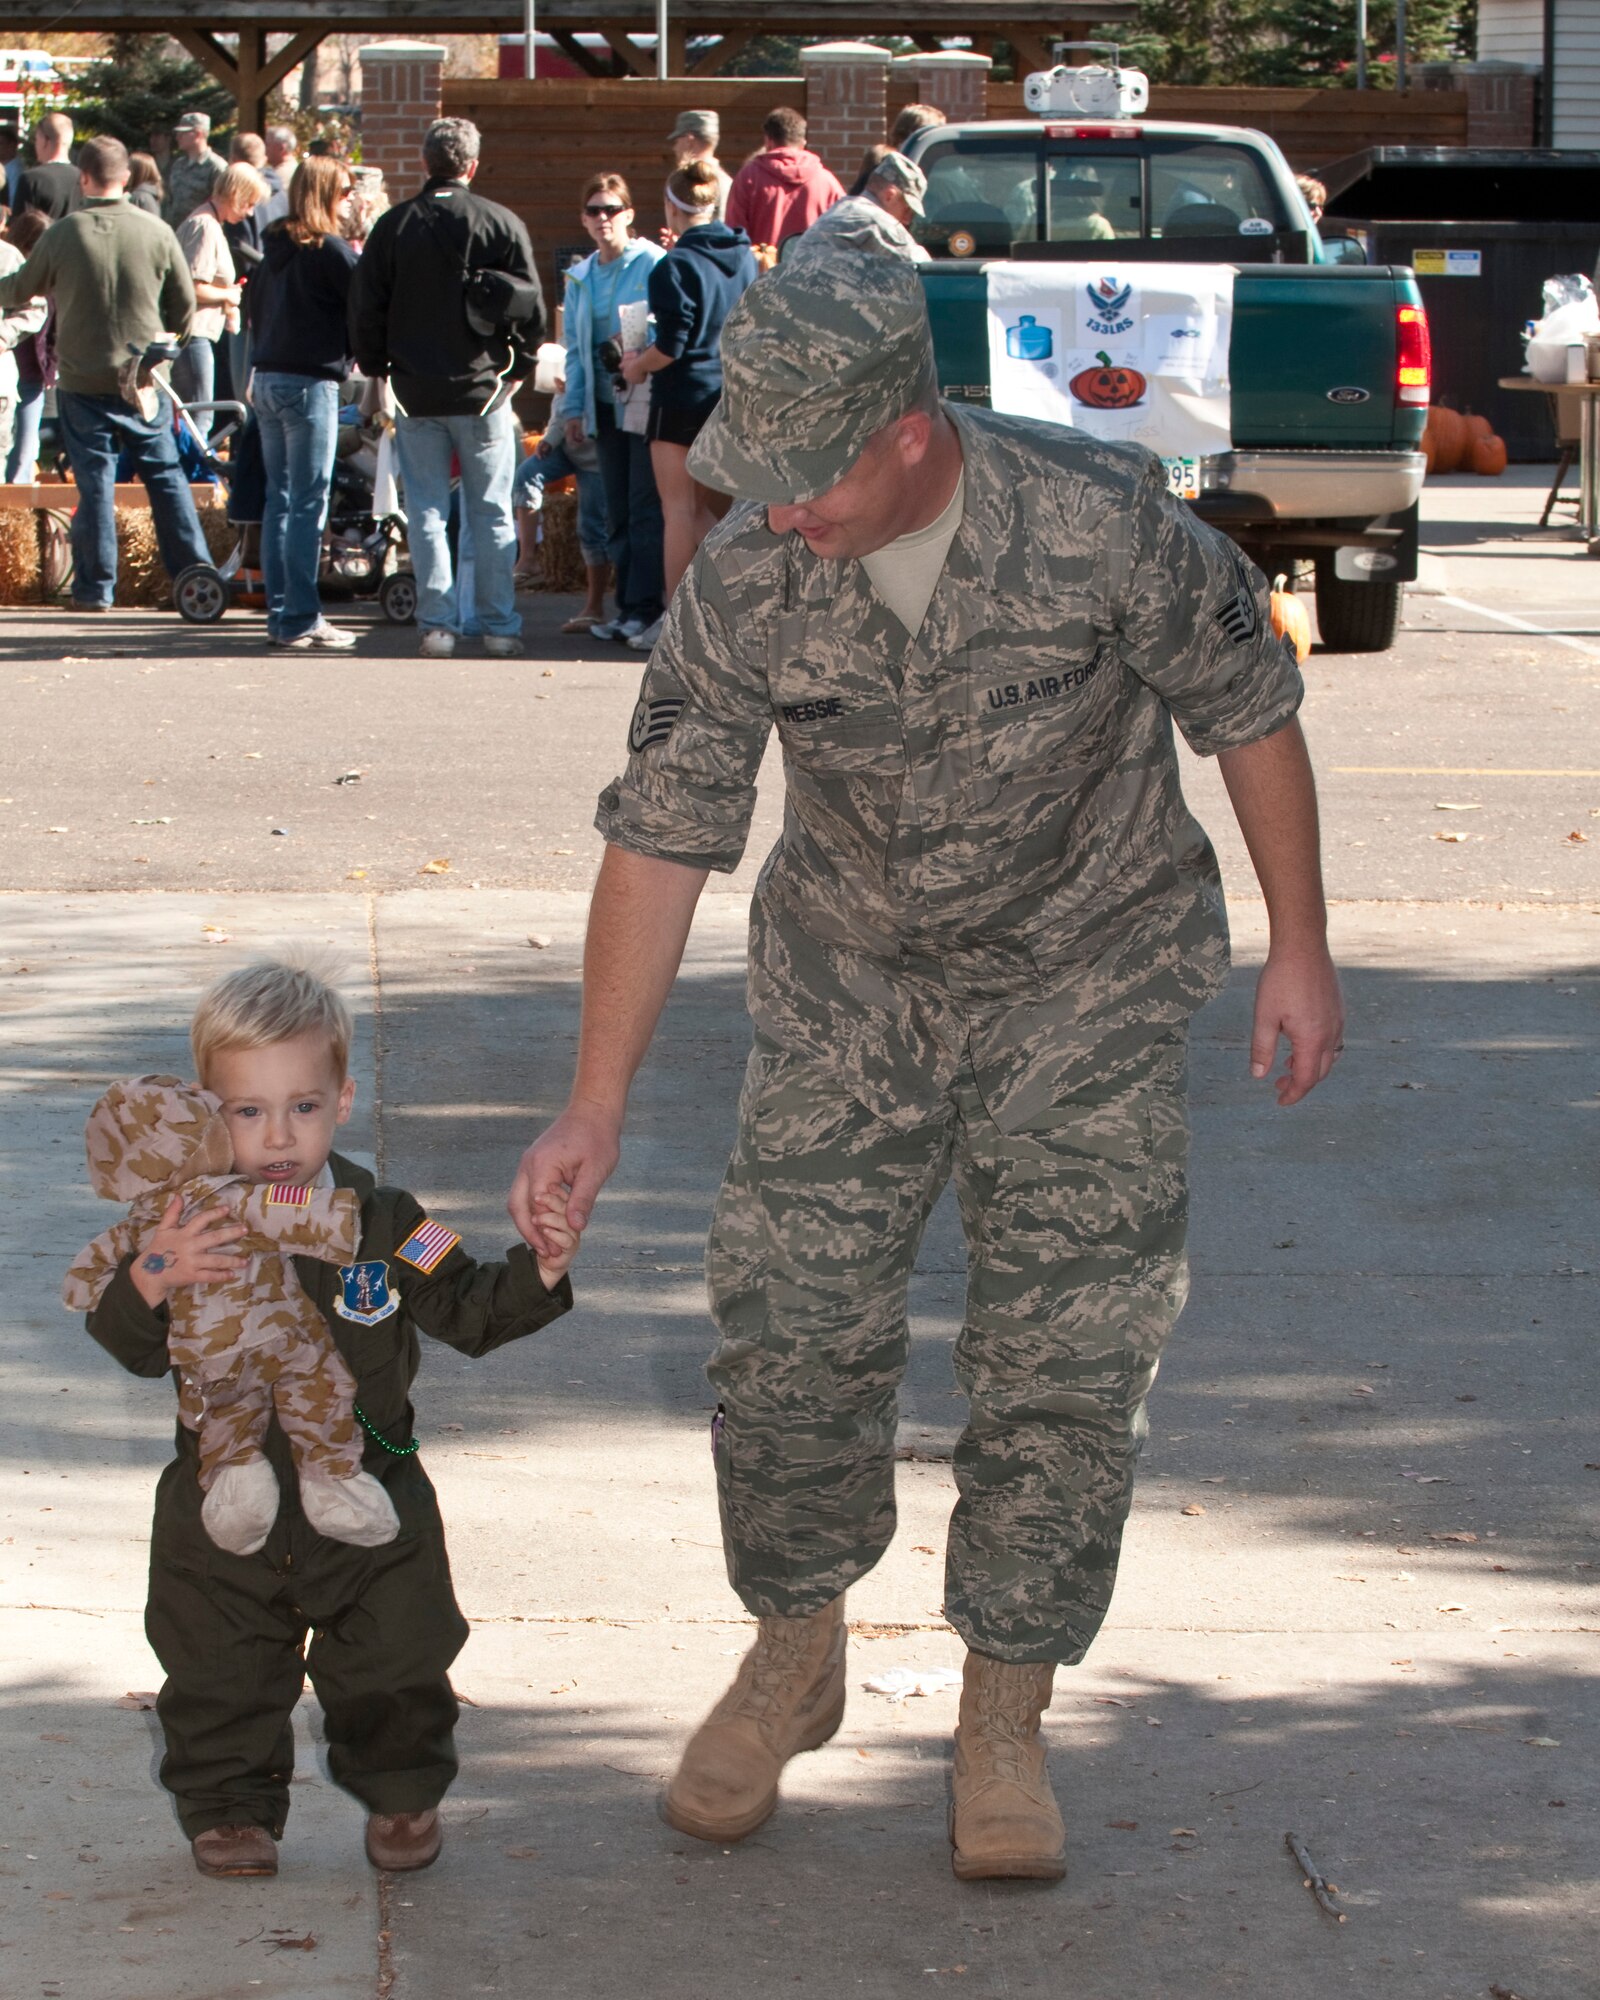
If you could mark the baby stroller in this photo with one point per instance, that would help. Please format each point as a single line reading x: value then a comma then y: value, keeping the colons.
x: 360, y: 552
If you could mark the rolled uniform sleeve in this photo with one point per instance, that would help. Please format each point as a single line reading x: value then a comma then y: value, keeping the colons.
x: 1197, y: 628
x: 697, y: 735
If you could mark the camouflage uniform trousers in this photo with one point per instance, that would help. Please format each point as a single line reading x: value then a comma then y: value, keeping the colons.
x: 1075, y: 1235
x: 312, y: 1390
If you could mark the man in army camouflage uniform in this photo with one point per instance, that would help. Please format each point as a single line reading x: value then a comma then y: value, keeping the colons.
x: 879, y: 219
x: 975, y: 950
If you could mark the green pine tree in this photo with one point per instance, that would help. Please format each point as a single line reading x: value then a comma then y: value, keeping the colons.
x: 146, y: 84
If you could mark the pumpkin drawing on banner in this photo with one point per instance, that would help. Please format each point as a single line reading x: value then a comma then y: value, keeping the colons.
x: 1108, y: 387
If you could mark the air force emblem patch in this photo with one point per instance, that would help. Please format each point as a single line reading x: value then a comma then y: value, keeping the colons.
x: 366, y: 1297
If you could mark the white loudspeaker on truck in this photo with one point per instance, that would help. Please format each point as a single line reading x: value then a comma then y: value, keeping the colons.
x: 1097, y: 90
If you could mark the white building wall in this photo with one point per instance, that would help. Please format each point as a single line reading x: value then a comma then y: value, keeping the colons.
x: 1513, y: 31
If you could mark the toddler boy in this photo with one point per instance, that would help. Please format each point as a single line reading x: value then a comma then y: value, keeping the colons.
x: 272, y: 1042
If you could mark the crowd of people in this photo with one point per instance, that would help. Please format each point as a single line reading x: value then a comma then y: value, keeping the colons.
x: 277, y: 281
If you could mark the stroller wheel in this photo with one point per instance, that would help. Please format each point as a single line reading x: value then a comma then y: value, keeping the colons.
x: 397, y: 599
x: 200, y: 594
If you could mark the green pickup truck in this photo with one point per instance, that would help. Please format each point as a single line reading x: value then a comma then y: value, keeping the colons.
x: 1328, y: 361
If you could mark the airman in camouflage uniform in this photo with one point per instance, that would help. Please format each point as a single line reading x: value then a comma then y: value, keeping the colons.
x: 878, y: 220
x: 975, y: 949
x: 247, y: 1346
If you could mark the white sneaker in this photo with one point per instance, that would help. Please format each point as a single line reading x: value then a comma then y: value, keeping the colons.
x: 641, y: 642
x: 354, y: 1510
x: 239, y: 1510
x: 437, y: 644
x: 627, y: 629
x: 608, y: 628
x: 501, y: 646
x: 322, y: 637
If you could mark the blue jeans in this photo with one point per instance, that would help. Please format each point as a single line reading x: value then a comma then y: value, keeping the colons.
x: 486, y: 448
x: 633, y: 512
x: 299, y: 418
x: 528, y: 492
x: 194, y: 376
x: 95, y: 429
x: 23, y: 457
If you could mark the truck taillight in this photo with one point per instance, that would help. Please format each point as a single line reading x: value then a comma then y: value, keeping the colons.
x: 1413, y: 369
x: 1092, y: 131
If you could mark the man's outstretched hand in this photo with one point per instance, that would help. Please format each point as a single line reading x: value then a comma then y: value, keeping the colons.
x: 1298, y: 996
x: 564, y: 1170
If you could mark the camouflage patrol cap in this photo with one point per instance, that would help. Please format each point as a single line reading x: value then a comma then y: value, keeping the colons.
x: 816, y: 357
x: 895, y: 170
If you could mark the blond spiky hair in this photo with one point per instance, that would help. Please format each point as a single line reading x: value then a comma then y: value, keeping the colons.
x: 269, y: 1001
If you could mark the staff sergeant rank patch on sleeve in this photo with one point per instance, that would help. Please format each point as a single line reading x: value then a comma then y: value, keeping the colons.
x: 652, y: 722
x: 427, y: 1246
x: 1239, y: 616
x: 289, y: 1197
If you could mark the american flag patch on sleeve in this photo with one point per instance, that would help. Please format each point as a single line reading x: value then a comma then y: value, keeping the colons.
x: 289, y: 1197
x: 427, y: 1246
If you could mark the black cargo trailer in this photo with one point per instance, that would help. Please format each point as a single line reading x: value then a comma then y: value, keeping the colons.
x: 1482, y: 228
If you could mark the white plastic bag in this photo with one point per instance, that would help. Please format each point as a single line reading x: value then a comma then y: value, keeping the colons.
x: 1571, y: 315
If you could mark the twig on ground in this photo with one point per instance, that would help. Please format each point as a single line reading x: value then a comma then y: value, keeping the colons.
x: 1315, y: 1881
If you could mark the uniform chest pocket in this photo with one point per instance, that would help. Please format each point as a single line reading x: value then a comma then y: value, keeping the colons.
x: 826, y: 734
x: 1052, y: 714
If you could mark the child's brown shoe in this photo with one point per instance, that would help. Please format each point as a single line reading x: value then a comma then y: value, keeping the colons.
x: 399, y: 1841
x: 235, y: 1850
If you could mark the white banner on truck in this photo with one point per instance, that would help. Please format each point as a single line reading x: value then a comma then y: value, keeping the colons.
x: 1134, y: 352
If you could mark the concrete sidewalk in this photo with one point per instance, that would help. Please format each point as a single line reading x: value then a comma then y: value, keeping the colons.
x: 1380, y: 1633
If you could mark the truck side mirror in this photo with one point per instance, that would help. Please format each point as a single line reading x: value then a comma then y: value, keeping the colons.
x: 1344, y: 249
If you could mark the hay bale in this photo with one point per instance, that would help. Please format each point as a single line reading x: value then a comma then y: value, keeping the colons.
x: 141, y: 578
x: 560, y: 559
x: 19, y: 556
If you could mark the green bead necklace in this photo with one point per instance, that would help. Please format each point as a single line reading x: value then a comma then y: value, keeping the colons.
x: 377, y: 1437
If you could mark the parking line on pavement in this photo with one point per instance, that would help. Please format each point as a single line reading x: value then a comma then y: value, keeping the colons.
x: 1521, y: 625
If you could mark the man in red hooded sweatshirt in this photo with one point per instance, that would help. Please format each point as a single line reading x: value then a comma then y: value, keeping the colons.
x: 783, y: 189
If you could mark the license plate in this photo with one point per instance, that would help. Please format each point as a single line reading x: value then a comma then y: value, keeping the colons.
x: 1183, y: 477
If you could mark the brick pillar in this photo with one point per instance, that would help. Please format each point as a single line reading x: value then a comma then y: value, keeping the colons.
x: 846, y: 96
x: 401, y: 95
x: 954, y: 81
x: 1502, y: 99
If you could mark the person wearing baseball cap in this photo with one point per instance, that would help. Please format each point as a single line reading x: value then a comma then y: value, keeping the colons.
x: 881, y: 218
x: 974, y: 951
x: 195, y: 169
x: 696, y: 136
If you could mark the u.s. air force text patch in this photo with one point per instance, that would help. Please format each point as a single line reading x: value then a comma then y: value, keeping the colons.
x: 653, y: 720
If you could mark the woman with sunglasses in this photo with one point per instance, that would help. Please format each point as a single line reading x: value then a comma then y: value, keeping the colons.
x: 616, y: 274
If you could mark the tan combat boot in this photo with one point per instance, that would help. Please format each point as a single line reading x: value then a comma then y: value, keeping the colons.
x: 787, y: 1696
x: 1004, y: 1819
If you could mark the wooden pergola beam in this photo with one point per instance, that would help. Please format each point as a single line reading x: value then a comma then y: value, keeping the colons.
x: 252, y: 74
x: 587, y: 61
x: 627, y: 53
x: 733, y: 42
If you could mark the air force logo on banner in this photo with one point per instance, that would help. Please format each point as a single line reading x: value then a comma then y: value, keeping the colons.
x: 1108, y: 308
x: 366, y: 1297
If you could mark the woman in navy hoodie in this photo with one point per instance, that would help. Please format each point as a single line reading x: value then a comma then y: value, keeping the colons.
x: 692, y: 291
x: 300, y: 345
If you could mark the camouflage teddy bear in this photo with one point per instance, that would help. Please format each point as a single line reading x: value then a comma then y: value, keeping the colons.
x: 243, y: 1347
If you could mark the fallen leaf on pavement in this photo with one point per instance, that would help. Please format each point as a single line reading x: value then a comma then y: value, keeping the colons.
x: 135, y: 1701
x: 1450, y: 1607
x: 538, y: 940
x: 1193, y: 1507
x: 306, y: 1943
x: 1451, y: 806
x: 1452, y: 1538
x: 439, y: 867
x: 349, y: 777
x: 1455, y: 838
x: 1123, y: 1825
x: 1542, y: 1742
x: 1575, y: 835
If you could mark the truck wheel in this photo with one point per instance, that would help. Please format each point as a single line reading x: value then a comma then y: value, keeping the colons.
x: 1356, y: 617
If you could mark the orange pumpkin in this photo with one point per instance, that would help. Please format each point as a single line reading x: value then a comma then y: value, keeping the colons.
x: 1289, y: 618
x: 1489, y: 456
x: 1108, y: 387
x: 1479, y: 427
x: 1450, y: 438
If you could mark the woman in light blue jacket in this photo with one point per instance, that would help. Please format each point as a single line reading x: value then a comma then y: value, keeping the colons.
x: 616, y: 274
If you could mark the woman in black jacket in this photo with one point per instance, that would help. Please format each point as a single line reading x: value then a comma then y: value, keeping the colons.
x: 300, y: 341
